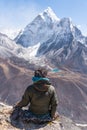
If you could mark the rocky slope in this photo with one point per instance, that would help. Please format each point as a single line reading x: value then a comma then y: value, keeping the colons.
x: 70, y: 86
x: 6, y: 123
x: 13, y: 79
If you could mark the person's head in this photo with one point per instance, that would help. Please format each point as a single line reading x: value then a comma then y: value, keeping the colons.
x: 41, y: 72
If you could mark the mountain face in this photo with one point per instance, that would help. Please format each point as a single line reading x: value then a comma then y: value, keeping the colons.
x: 40, y: 29
x: 9, y: 49
x: 60, y: 41
x: 7, y: 46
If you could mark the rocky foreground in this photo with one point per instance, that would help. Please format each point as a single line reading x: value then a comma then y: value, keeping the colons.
x: 61, y: 123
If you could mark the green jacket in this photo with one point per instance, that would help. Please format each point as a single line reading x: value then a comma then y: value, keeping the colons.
x: 41, y: 99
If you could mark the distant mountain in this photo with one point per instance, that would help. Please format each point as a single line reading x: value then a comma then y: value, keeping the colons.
x: 61, y: 42
x: 45, y: 26
x: 9, y: 48
x: 50, y: 41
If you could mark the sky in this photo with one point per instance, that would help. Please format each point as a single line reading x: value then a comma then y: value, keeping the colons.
x: 16, y: 14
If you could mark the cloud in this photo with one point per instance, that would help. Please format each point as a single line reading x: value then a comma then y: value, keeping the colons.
x: 83, y: 28
x: 11, y: 33
x: 79, y: 26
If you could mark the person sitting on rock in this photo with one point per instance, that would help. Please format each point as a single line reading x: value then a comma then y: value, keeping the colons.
x: 41, y: 98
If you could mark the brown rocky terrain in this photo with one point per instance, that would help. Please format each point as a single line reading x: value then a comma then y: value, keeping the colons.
x: 14, y: 80
x: 72, y: 93
x: 61, y: 123
x: 71, y: 88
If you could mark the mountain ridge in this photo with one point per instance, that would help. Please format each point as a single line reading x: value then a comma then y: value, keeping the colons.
x: 59, y: 40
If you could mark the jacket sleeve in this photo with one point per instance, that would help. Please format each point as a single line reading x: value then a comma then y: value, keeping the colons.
x: 54, y: 103
x: 25, y: 100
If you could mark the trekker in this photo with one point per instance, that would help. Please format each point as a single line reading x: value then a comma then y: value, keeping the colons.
x: 41, y: 98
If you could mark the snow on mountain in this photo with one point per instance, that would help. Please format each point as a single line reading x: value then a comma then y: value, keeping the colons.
x: 64, y: 35
x: 9, y: 48
x: 7, y: 42
x: 27, y: 53
x: 50, y: 31
x: 11, y: 33
x: 49, y: 15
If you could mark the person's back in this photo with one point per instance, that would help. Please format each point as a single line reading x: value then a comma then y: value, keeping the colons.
x: 41, y: 97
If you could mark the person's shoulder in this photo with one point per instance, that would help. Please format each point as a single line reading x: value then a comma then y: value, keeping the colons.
x: 30, y: 87
x: 51, y: 88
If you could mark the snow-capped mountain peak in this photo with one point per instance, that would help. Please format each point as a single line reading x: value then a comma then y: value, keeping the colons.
x: 40, y: 29
x: 48, y: 13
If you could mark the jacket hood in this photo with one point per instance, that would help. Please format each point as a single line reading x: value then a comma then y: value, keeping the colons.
x: 36, y: 79
x: 42, y: 85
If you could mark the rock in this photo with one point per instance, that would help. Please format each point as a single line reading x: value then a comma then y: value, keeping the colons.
x: 62, y: 123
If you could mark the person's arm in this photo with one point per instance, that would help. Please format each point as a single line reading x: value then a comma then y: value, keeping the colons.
x: 17, y: 108
x: 25, y: 100
x: 54, y: 103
